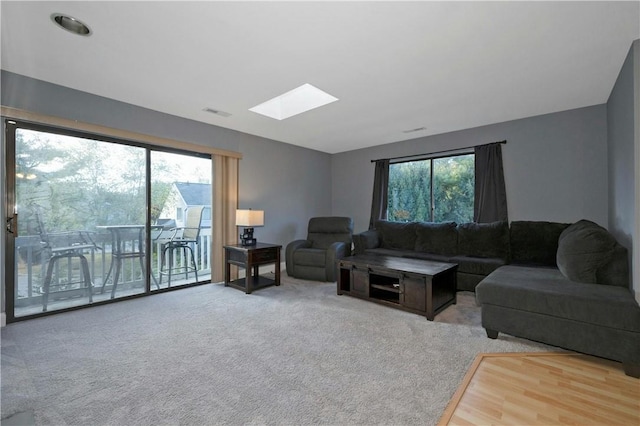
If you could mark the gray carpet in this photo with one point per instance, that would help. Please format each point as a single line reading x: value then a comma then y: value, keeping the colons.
x: 294, y: 354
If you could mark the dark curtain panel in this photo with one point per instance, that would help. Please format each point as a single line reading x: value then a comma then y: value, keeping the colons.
x: 380, y: 198
x: 490, y: 194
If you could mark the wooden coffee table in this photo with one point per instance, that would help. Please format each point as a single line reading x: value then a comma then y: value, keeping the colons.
x: 420, y: 286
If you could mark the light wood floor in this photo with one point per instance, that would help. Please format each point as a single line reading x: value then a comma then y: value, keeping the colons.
x: 544, y: 389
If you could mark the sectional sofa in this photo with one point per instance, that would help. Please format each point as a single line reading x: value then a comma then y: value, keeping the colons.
x: 566, y: 285
x: 478, y: 249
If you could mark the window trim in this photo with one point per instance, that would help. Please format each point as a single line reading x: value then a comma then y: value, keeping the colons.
x: 433, y: 156
x: 110, y: 132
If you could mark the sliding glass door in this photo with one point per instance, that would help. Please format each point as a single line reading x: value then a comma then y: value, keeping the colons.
x: 181, y: 219
x: 100, y: 220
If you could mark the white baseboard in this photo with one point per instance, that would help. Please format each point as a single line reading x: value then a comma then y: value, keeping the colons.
x: 3, y: 319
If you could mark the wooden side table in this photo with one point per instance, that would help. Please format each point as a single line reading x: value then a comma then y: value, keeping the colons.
x: 250, y: 258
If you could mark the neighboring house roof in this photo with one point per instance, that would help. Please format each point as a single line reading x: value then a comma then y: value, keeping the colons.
x: 195, y: 194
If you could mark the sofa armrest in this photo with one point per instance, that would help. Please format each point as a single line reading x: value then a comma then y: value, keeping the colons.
x: 336, y: 251
x: 288, y: 253
x: 366, y: 240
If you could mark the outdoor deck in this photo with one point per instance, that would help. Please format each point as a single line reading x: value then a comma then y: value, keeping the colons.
x: 70, y: 290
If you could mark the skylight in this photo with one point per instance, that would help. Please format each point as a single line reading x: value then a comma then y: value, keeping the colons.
x: 294, y: 102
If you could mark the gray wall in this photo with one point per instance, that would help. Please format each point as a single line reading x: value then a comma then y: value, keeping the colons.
x: 555, y: 166
x: 291, y: 184
x: 620, y: 132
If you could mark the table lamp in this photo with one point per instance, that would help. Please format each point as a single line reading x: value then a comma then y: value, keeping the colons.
x: 249, y: 219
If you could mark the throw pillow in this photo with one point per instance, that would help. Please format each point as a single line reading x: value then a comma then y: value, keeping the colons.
x: 583, y: 248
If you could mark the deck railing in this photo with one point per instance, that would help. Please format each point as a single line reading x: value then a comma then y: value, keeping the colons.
x: 32, y: 263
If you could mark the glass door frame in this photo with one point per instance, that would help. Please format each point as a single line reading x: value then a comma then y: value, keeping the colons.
x: 10, y: 200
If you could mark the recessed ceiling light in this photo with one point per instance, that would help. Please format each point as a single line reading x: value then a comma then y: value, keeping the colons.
x: 294, y: 102
x: 71, y: 24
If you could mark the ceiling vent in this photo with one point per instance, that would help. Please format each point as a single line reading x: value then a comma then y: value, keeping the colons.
x: 217, y: 112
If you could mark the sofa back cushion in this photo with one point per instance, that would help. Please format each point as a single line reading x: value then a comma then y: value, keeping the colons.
x: 535, y: 243
x: 397, y: 235
x: 588, y: 253
x: 437, y: 238
x: 484, y: 239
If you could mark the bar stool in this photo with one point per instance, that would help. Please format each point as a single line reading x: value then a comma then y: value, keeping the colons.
x: 182, y: 239
x: 65, y: 245
x: 68, y: 253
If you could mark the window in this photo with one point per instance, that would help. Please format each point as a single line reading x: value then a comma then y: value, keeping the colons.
x: 432, y: 190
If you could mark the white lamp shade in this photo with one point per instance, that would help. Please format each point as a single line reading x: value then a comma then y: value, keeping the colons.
x: 249, y: 218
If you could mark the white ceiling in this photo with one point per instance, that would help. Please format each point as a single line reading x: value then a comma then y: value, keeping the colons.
x: 393, y: 65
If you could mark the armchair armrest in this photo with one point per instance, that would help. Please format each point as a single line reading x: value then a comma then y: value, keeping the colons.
x: 366, y: 240
x: 178, y: 232
x: 336, y: 251
x: 288, y: 253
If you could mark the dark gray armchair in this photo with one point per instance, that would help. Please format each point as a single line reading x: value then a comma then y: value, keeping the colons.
x: 328, y: 239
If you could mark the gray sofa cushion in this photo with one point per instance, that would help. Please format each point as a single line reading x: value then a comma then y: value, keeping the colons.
x: 409, y: 254
x: 584, y: 248
x: 546, y: 291
x: 397, y: 235
x: 535, y: 243
x: 484, y: 239
x: 429, y: 256
x: 436, y: 238
x: 387, y: 252
x: 477, y: 265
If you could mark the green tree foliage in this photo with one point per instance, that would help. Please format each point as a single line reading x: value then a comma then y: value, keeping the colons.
x: 409, y: 190
x: 77, y: 184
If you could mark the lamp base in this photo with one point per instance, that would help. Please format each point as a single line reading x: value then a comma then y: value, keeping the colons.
x: 248, y: 241
x: 246, y: 238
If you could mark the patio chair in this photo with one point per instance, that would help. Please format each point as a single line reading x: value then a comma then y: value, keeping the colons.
x: 65, y: 245
x: 182, y: 238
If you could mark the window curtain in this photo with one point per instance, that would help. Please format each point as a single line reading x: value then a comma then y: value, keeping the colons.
x: 490, y: 204
x: 225, y: 202
x: 380, y: 196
